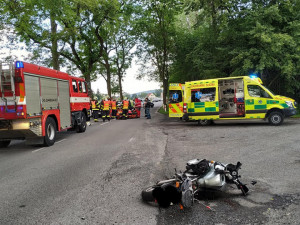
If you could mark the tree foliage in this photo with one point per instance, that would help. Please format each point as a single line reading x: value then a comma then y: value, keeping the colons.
x: 175, y: 40
x: 157, y: 29
x: 235, y: 38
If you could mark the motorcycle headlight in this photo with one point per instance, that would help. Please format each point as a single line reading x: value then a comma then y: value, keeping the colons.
x: 290, y: 104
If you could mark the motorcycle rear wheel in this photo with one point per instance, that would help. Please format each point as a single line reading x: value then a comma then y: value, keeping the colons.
x: 147, y: 194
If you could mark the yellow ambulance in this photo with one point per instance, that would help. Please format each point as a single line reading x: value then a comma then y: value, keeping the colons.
x: 234, y: 98
x: 176, y: 93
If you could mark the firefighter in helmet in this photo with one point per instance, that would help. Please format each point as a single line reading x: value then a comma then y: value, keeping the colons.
x: 105, y: 105
x: 126, y: 106
x: 95, y: 108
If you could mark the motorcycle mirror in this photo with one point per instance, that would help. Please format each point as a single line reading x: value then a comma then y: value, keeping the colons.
x: 238, y: 165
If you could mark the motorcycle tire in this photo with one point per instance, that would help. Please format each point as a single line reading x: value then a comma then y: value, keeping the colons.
x: 147, y: 194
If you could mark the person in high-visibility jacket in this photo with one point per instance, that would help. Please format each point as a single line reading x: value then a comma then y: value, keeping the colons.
x: 138, y: 106
x: 126, y: 105
x: 105, y: 105
x: 113, y: 108
x: 95, y: 108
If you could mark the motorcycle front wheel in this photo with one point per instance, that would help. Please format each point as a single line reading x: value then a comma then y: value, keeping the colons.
x: 147, y: 194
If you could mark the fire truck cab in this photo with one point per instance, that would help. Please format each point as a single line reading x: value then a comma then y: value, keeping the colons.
x: 36, y: 102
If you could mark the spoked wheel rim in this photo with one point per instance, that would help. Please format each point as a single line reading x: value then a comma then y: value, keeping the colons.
x: 50, y: 131
x: 276, y: 119
x: 203, y: 122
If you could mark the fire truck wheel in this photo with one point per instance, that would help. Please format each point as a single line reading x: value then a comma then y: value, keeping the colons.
x: 50, y: 132
x: 82, y: 127
x: 4, y: 144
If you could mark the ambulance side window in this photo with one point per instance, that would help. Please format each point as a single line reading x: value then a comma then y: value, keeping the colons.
x: 203, y: 95
x: 75, y: 87
x: 257, y: 91
x: 175, y: 96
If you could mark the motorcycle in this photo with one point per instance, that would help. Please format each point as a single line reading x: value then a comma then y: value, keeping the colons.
x: 199, y: 176
x: 132, y: 113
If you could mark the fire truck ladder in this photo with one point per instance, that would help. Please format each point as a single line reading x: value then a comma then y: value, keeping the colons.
x: 7, y: 85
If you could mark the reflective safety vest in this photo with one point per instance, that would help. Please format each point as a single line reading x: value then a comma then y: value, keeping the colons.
x: 93, y: 104
x: 106, y: 105
x: 113, y: 105
x: 125, y: 104
x: 138, y: 103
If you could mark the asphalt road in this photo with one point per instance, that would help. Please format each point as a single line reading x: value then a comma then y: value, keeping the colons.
x: 96, y: 177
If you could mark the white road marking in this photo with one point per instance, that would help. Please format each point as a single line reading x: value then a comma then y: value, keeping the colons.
x: 131, y: 139
x: 61, y: 141
x: 104, y: 123
x: 37, y: 150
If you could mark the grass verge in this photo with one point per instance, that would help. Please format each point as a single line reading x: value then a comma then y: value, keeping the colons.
x: 162, y: 111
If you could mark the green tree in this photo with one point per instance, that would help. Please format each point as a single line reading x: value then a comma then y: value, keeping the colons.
x: 263, y: 38
x: 157, y: 31
x: 73, y: 32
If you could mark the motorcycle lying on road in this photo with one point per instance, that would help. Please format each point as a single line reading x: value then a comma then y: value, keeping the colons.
x: 200, y: 175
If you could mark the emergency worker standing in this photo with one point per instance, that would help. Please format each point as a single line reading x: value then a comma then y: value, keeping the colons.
x: 126, y: 105
x: 131, y: 105
x: 147, y: 108
x: 95, y: 108
x: 113, y: 108
x: 138, y: 105
x: 105, y: 105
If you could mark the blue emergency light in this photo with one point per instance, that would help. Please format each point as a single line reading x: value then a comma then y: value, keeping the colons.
x: 253, y: 76
x: 19, y: 64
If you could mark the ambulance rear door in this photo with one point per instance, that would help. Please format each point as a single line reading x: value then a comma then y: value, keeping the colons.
x: 176, y: 100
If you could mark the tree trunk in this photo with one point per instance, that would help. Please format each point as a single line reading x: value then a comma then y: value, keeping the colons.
x: 54, y: 46
x: 165, y: 91
x: 120, y: 86
x: 108, y: 80
x: 89, y: 84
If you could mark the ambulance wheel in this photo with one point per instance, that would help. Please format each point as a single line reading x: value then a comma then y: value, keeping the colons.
x: 204, y: 122
x: 275, y: 118
x: 82, y: 127
x: 50, y: 132
x: 4, y: 144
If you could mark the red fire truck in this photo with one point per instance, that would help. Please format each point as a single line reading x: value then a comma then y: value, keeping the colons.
x: 36, y: 102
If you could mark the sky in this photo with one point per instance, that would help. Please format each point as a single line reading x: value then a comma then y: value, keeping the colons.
x: 131, y: 85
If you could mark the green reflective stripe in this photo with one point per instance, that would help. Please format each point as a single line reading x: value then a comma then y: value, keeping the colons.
x: 199, y: 104
x: 250, y: 102
x: 191, y: 110
x: 210, y: 109
x: 260, y: 107
x: 272, y: 102
x: 284, y: 105
x: 217, y: 104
